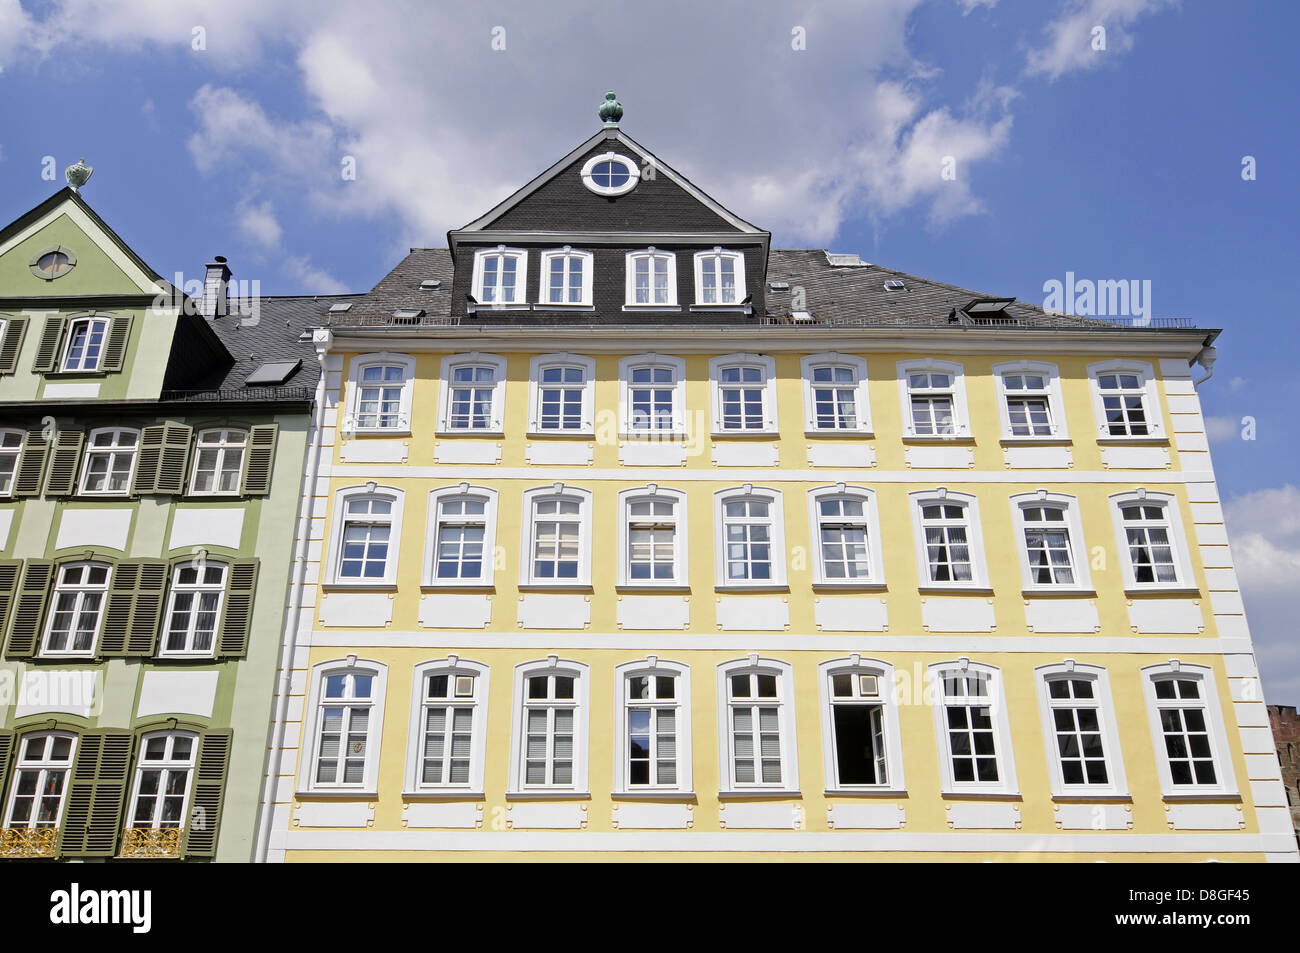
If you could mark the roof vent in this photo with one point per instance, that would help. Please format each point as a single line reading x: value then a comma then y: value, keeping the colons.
x: 836, y: 258
x: 801, y: 317
x: 340, y: 306
x: 893, y: 284
x: 408, y: 315
x: 272, y: 374
x: 780, y: 286
x: 430, y: 284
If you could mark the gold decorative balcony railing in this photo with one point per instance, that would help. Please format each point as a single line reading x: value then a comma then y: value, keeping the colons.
x: 28, y: 841
x: 148, y: 842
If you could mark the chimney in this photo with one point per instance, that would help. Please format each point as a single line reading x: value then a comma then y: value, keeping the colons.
x: 214, y: 303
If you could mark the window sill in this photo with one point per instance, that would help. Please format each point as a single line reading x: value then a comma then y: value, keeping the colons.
x: 1150, y: 438
x: 1180, y: 797
x: 555, y: 587
x: 949, y: 794
x: 757, y: 793
x: 182, y: 657
x: 654, y: 796
x: 723, y: 308
x: 828, y: 586
x: 1035, y: 441
x: 500, y: 306
x: 652, y: 307
x: 840, y: 432
x: 441, y: 433
x: 1162, y: 591
x: 348, y: 795
x: 548, y: 796
x: 1057, y: 591
x: 582, y: 434
x: 232, y: 495
x: 774, y: 587
x: 358, y: 587
x: 939, y: 438
x: 766, y: 432
x: 633, y: 587
x: 458, y: 585
x: 443, y: 796
x: 1084, y: 798
x: 864, y: 792
x: 378, y: 432
x: 553, y: 306
x: 676, y: 435
x: 956, y: 590
x: 72, y: 374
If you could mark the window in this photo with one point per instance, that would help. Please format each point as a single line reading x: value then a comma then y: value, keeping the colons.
x: 652, y: 394
x: 40, y: 784
x: 566, y: 277
x: 1052, y: 553
x: 84, y: 346
x: 500, y: 276
x: 462, y: 536
x: 110, y: 462
x: 861, y: 743
x: 218, y: 462
x: 835, y: 394
x: 557, y: 537
x: 379, y: 393
x: 53, y: 262
x: 11, y: 448
x: 749, y: 538
x: 652, y: 537
x: 651, y: 279
x: 653, y: 740
x: 77, y: 607
x: 366, y: 531
x: 846, y: 537
x: 610, y: 174
x: 949, y: 544
x: 719, y: 278
x: 162, y: 779
x: 1191, y: 744
x: 1083, y: 750
x: 194, y: 608
x: 448, y: 736
x: 744, y: 394
x: 971, y: 722
x: 549, y: 743
x: 1149, y: 534
x: 345, y: 725
x: 1125, y: 400
x: 473, y: 393
x: 1030, y: 403
x: 561, y: 397
x: 756, y: 731
x: 933, y: 395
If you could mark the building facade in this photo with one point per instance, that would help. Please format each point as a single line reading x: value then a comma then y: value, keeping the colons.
x: 1286, y: 732
x: 626, y: 535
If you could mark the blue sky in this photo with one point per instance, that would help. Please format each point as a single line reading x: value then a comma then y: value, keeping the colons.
x: 220, y: 128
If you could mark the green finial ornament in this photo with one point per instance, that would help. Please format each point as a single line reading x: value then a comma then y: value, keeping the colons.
x: 78, y: 175
x: 611, y: 111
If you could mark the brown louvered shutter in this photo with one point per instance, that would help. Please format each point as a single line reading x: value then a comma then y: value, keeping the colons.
x: 10, y: 571
x: 29, y: 608
x: 47, y: 352
x: 100, y: 774
x: 146, y: 464
x: 237, y: 612
x: 258, y: 459
x: 61, y: 479
x: 135, y: 601
x: 11, y: 342
x: 117, y: 610
x: 209, y: 791
x: 119, y: 332
x: 6, y: 751
x: 31, y: 465
x: 174, y: 457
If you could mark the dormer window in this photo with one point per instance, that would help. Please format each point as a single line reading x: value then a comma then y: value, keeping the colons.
x: 566, y: 277
x: 85, y: 344
x: 651, y: 279
x: 610, y: 174
x: 500, y: 276
x: 719, y: 277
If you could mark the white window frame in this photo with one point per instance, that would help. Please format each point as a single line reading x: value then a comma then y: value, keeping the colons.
x: 718, y: 252
x: 1221, y: 750
x: 544, y: 279
x: 1003, y: 750
x: 551, y: 665
x: 777, y: 538
x: 1117, y: 782
x: 446, y: 386
x: 1186, y: 580
x: 168, y: 766
x: 451, y: 666
x: 1150, y: 400
x: 1055, y: 400
x: 521, y: 277
x: 856, y: 666
x: 861, y: 396
x: 90, y: 321
x: 768, y: 366
x: 488, y: 571
x: 871, y: 517
x: 90, y: 450
x: 626, y: 366
x: 175, y: 588
x: 45, y: 651
x: 785, y: 700
x: 528, y: 521
x: 960, y: 411
x: 16, y: 453
x: 334, y: 575
x: 543, y: 362
x: 681, y: 537
x: 974, y: 538
x: 629, y: 289
x: 357, y: 369
x: 653, y: 666
x: 310, y: 745
x: 633, y: 174
x: 43, y: 767
x: 1073, y: 524
x: 222, y: 448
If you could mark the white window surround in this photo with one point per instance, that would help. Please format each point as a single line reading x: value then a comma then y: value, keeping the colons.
x: 1055, y: 400
x: 114, y: 451
x: 862, y: 400
x: 446, y: 386
x: 1225, y: 772
x: 223, y: 456
x: 1150, y: 401
x: 776, y: 538
x: 334, y: 575
x: 68, y: 615
x: 535, y: 368
x: 50, y: 769
x: 625, y: 388
x: 884, y: 672
x: 210, y: 579
x: 651, y: 667
x: 871, y: 517
x: 451, y: 666
x: 555, y: 491
x: 436, y: 499
x: 783, y: 671
x: 767, y: 365
x: 84, y: 360
x: 544, y: 279
x: 589, y: 179
x: 681, y: 570
x: 974, y: 538
x: 551, y: 665
x: 1073, y: 524
x: 1117, y: 782
x: 711, y: 258
x: 652, y: 255
x: 11, y: 452
x: 1177, y: 540
x: 1006, y: 783
x: 162, y: 815
x: 355, y: 373
x: 960, y: 412
x: 310, y: 745
x: 520, y: 255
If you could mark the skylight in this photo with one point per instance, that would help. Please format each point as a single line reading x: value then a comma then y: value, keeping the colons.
x: 272, y: 373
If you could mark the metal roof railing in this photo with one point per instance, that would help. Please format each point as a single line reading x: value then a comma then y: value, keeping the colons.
x: 391, y: 321
x: 239, y: 394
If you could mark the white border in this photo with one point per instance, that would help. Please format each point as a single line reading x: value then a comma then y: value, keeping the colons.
x: 974, y: 538
x: 789, y: 736
x: 449, y: 364
x: 1055, y: 399
x: 1006, y: 783
x: 884, y: 671
x: 335, y: 553
x: 1073, y: 524
x: 527, y: 521
x: 539, y: 363
x: 1105, y: 706
x: 652, y: 665
x: 861, y: 398
x: 358, y: 364
x: 1222, y: 750
x: 777, y: 543
x: 369, y: 786
x: 961, y: 413
x: 681, y: 568
x: 429, y: 576
x: 552, y: 665
x: 743, y: 359
x: 1150, y: 401
x: 453, y: 665
x: 875, y: 553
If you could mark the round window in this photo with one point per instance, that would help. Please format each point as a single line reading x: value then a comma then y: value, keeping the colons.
x: 53, y: 263
x: 610, y: 174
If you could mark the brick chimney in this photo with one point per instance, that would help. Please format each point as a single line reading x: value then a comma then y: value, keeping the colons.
x: 215, y: 283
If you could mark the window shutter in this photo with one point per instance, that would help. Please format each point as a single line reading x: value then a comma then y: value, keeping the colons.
x: 11, y: 343
x: 209, y: 789
x: 47, y: 353
x: 237, y: 613
x: 61, y: 480
x: 7, y: 746
x: 146, y: 464
x: 31, y: 465
x: 256, y: 480
x: 135, y: 600
x: 10, y: 570
x: 29, y: 608
x: 119, y: 332
x: 164, y: 455
x: 93, y: 817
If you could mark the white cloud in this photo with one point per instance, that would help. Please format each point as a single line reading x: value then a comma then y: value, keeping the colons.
x: 257, y: 223
x: 967, y: 6
x: 317, y: 279
x: 1069, y: 39
x: 1221, y: 429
